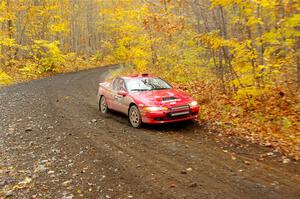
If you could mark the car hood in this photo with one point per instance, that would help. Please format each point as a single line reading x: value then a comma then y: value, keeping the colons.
x: 166, y: 97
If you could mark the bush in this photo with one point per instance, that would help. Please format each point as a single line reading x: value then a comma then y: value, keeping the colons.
x: 48, y: 55
x: 4, y: 78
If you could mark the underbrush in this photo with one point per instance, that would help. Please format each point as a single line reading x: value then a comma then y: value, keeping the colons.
x: 43, y: 58
x: 28, y: 69
x: 273, y: 120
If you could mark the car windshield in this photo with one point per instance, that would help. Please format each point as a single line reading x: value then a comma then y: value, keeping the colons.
x: 146, y: 84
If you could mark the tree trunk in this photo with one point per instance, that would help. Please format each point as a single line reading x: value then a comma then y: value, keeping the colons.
x: 260, y: 48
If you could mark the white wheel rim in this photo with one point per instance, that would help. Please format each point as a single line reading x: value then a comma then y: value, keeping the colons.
x: 134, y: 117
x: 103, y: 105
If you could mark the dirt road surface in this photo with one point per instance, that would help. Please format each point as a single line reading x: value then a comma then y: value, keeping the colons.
x: 54, y: 143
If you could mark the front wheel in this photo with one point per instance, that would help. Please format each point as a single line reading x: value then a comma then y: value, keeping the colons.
x: 134, y: 117
x: 103, y: 108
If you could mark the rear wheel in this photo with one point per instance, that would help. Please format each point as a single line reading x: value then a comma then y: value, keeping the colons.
x: 134, y: 117
x: 103, y: 108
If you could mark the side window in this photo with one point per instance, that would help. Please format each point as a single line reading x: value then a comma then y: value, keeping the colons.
x: 115, y: 84
x: 121, y: 85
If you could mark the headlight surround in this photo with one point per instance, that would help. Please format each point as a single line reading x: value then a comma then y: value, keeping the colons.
x: 193, y: 104
x: 155, y: 108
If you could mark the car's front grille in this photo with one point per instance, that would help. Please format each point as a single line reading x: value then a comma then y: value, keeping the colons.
x: 179, y: 108
x: 179, y: 113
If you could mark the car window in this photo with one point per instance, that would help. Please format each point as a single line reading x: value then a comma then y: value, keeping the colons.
x: 119, y: 84
x: 115, y: 83
x: 146, y: 84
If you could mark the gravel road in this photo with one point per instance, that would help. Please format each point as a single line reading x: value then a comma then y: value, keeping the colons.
x: 54, y: 143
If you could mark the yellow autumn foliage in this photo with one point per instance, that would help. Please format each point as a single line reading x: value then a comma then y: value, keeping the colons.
x: 4, y: 78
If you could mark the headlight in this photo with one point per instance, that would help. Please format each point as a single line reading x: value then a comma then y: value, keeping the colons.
x: 193, y: 103
x: 155, y: 108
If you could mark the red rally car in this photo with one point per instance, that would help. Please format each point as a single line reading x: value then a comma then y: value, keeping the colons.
x: 146, y: 99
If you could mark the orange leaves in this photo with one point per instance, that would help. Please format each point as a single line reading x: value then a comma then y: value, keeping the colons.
x: 275, y: 119
x: 163, y: 23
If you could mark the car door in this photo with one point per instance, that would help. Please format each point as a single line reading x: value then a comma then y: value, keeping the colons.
x: 112, y: 103
x: 118, y: 100
x: 123, y: 99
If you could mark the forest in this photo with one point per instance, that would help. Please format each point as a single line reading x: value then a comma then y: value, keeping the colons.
x: 239, y: 58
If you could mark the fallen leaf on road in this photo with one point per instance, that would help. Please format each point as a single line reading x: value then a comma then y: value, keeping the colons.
x: 27, y: 180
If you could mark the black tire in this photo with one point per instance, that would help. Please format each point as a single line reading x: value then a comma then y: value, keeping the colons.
x: 103, y: 108
x: 134, y: 117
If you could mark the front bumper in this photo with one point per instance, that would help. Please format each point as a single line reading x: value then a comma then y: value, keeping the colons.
x: 159, y: 117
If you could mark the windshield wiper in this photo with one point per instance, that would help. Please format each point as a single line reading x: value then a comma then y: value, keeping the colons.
x: 160, y: 88
x: 139, y: 89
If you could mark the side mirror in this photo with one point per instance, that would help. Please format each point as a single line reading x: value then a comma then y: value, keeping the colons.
x: 122, y: 92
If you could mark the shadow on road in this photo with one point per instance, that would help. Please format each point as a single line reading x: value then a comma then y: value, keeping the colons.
x: 182, y: 127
